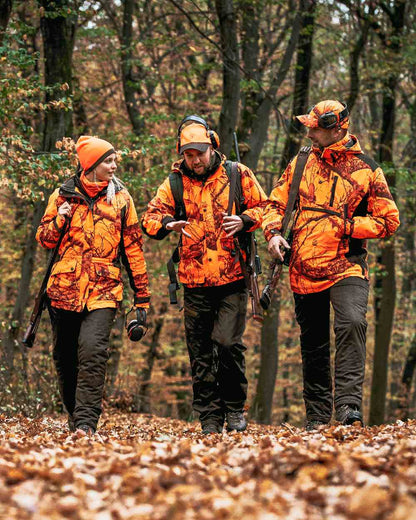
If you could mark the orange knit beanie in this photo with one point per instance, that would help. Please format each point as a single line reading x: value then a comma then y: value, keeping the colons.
x: 92, y: 151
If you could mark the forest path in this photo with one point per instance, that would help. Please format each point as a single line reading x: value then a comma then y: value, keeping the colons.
x: 145, y: 467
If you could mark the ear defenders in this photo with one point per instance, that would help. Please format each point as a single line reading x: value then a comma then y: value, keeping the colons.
x: 213, y: 136
x: 331, y: 119
x: 137, y: 328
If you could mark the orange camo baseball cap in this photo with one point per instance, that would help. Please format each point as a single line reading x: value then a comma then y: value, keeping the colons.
x: 326, y: 108
x: 92, y: 151
x: 195, y: 137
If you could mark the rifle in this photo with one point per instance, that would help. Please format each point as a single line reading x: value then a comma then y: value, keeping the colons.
x: 252, y: 268
x: 286, y: 230
x: 41, y: 298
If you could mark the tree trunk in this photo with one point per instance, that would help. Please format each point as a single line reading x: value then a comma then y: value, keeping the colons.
x: 250, y: 43
x: 128, y: 79
x: 231, y: 73
x: 407, y: 378
x: 58, y: 34
x: 261, y: 409
x: 5, y: 12
x: 355, y: 55
x: 302, y: 79
x: 385, y: 285
x: 58, y: 41
x: 11, y: 339
x: 260, y: 126
x: 142, y: 397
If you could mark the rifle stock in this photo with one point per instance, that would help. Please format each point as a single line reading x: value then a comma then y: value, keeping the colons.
x: 254, y: 269
x: 271, y: 284
x: 253, y: 265
x: 30, y: 334
x: 40, y: 300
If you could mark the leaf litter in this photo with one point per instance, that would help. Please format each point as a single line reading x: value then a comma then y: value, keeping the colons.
x: 145, y: 467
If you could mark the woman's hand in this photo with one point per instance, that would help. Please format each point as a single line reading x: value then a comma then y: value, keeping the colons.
x: 65, y: 209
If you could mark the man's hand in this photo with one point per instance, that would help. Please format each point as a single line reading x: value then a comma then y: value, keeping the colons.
x: 178, y: 226
x: 277, y: 246
x: 232, y: 224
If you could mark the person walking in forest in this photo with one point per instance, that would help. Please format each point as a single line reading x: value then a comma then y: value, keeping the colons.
x: 215, y: 294
x: 97, y: 217
x: 343, y: 199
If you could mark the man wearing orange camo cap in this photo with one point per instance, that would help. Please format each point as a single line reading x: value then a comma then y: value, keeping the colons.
x: 343, y: 200
x: 101, y: 229
x: 215, y: 294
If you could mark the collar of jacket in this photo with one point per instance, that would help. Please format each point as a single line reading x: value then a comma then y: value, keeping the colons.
x: 180, y: 166
x: 347, y: 145
x: 73, y: 188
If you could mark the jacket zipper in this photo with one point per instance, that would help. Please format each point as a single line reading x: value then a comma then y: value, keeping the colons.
x: 331, y: 201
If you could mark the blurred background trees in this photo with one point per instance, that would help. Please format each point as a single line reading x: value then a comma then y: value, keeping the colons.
x: 129, y: 71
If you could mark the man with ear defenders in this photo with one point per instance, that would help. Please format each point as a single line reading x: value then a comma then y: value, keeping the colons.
x: 215, y: 296
x: 343, y: 200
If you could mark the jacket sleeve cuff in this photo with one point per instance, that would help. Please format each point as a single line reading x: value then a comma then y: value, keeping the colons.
x: 166, y: 220
x: 142, y: 302
x: 271, y: 232
x: 59, y: 222
x: 248, y: 223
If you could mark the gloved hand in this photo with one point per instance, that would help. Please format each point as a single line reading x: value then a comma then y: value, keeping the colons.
x: 137, y: 328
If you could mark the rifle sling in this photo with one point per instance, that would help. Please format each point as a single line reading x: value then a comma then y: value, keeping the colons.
x: 294, y: 187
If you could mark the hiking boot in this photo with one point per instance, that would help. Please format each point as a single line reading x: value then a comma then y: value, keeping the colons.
x: 71, y: 424
x: 211, y: 427
x: 236, y: 421
x: 348, y: 414
x: 313, y: 424
x: 84, y: 428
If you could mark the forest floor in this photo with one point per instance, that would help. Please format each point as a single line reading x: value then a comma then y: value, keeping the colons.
x: 145, y: 467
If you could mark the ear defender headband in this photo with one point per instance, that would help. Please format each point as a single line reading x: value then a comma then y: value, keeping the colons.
x: 331, y: 119
x: 213, y: 136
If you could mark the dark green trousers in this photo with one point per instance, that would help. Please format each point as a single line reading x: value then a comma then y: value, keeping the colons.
x: 214, y: 325
x: 349, y: 299
x: 80, y: 353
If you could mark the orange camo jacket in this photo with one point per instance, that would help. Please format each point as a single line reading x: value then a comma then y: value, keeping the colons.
x: 343, y: 200
x: 100, y: 234
x: 206, y: 259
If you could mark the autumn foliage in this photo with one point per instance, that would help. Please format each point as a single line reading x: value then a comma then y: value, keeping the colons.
x: 144, y: 467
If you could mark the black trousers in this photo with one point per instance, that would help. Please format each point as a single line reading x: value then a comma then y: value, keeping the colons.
x: 349, y: 299
x: 80, y: 353
x: 214, y: 326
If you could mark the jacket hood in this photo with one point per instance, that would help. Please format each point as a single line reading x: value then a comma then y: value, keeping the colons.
x: 349, y: 144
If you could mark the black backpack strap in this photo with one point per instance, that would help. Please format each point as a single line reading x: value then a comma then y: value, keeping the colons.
x: 238, y: 191
x: 176, y: 186
x: 233, y: 174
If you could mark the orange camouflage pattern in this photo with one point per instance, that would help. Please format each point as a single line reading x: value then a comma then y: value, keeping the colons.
x: 87, y: 273
x: 343, y: 200
x: 207, y: 258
